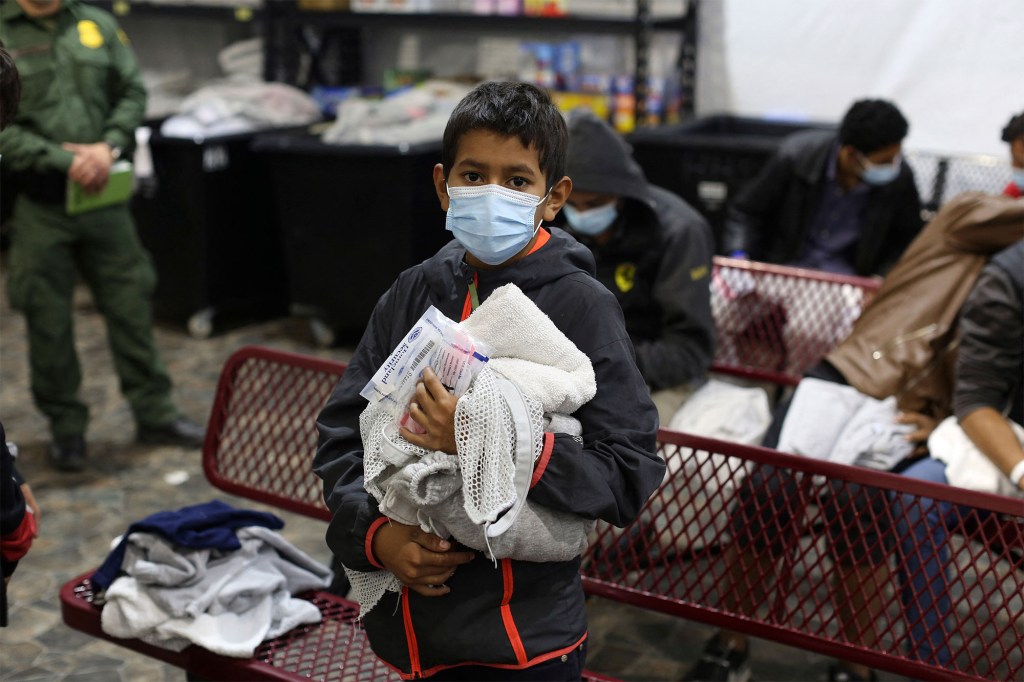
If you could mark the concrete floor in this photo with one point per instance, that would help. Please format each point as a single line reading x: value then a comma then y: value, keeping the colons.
x: 82, y: 512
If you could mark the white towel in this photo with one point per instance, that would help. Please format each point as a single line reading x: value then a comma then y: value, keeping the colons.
x: 966, y: 465
x: 532, y: 352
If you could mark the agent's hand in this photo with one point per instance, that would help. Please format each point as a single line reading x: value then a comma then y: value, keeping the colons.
x: 923, y: 427
x: 422, y: 561
x: 433, y: 408
x: 30, y: 502
x: 91, y: 166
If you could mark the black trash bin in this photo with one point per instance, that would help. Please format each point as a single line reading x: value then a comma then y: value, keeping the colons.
x: 708, y: 160
x: 207, y: 219
x: 352, y: 217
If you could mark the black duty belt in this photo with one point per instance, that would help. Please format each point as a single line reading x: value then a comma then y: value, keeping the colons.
x: 45, y: 188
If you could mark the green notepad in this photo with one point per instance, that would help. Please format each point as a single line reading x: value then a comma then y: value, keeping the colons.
x: 117, y: 191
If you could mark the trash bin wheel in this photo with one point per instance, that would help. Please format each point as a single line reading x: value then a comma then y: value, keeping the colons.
x: 323, y: 334
x: 200, y: 325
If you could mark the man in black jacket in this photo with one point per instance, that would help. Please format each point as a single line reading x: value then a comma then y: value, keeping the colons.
x: 844, y: 203
x: 653, y: 251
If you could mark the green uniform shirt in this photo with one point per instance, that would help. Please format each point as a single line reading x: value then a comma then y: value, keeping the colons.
x: 79, y: 83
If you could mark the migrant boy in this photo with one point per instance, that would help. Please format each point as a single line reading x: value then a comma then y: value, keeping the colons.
x: 459, y: 615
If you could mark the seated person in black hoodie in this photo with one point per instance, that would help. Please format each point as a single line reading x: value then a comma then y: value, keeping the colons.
x: 844, y: 203
x: 653, y: 251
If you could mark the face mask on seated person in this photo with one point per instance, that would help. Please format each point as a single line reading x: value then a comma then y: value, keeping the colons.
x: 492, y: 222
x: 593, y: 221
x: 880, y: 173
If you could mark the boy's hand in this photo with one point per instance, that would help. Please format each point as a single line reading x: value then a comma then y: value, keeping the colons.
x: 422, y: 561
x: 433, y: 408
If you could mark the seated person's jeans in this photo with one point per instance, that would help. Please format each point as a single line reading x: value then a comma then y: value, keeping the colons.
x: 857, y: 520
x: 858, y: 527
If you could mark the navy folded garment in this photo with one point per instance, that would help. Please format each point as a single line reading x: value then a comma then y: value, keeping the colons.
x: 210, y: 525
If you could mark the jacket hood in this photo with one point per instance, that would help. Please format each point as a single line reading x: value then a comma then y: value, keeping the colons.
x: 561, y: 256
x: 601, y: 161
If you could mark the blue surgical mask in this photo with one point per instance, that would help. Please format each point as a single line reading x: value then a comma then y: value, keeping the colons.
x: 1018, y: 178
x: 492, y: 222
x: 879, y: 173
x: 593, y: 221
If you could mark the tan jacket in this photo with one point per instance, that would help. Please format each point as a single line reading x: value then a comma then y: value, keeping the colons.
x: 904, y: 343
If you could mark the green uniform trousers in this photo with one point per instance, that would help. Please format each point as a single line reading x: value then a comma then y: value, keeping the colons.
x: 48, y: 249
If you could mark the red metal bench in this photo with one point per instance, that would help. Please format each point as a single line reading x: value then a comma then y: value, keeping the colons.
x: 260, y: 443
x: 773, y: 322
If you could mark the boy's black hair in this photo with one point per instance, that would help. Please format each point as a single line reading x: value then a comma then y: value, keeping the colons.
x: 1014, y: 130
x: 509, y: 108
x: 10, y: 88
x: 872, y: 124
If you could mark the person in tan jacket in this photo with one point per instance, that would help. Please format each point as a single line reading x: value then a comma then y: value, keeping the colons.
x: 903, y: 346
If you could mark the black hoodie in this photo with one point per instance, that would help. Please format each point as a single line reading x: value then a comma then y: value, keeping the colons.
x: 657, y: 262
x: 608, y: 474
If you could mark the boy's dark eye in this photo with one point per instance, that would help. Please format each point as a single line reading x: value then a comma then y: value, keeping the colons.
x: 472, y: 177
x: 518, y: 183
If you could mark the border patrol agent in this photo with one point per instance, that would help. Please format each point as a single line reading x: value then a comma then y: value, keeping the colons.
x: 82, y: 98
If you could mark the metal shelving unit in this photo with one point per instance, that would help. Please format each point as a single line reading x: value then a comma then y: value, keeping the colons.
x: 240, y: 12
x: 293, y: 35
x: 299, y: 42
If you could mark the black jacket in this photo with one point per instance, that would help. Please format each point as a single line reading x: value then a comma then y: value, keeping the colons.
x: 990, y: 360
x: 770, y: 217
x: 658, y: 262
x: 608, y: 474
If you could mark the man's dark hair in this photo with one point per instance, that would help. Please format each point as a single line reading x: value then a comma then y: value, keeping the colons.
x: 872, y: 124
x: 508, y: 108
x: 1014, y: 130
x: 10, y: 88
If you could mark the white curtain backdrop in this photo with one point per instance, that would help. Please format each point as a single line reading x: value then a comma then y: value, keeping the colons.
x: 954, y: 67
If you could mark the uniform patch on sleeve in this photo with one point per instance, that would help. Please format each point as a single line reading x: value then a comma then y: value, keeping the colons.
x: 625, y: 276
x: 89, y: 34
x: 123, y: 37
x: 699, y: 272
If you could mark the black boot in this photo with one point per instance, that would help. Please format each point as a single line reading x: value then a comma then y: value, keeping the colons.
x: 68, y: 453
x: 180, y: 431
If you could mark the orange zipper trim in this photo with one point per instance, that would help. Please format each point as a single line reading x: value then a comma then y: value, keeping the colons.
x: 410, y: 636
x: 506, y: 613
